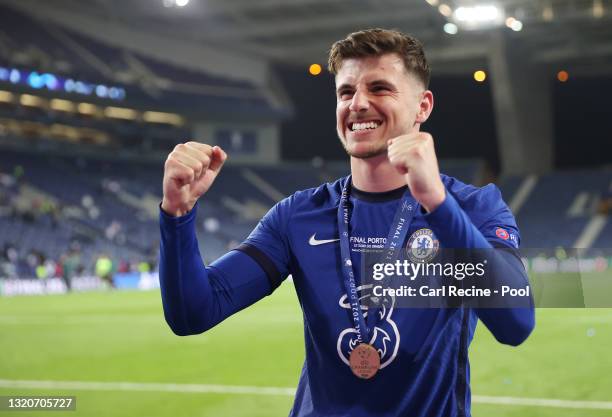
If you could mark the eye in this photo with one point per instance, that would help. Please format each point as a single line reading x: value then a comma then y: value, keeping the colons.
x: 379, y: 88
x: 345, y: 94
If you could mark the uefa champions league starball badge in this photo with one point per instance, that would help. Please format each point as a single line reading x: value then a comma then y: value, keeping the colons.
x: 422, y: 246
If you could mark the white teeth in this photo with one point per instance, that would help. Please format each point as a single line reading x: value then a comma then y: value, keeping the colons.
x: 364, y: 126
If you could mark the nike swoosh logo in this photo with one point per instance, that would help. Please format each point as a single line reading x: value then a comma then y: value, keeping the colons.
x: 314, y: 242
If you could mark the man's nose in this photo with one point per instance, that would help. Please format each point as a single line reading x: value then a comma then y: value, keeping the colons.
x: 359, y: 103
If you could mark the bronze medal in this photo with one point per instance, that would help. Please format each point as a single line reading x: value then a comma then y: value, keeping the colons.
x: 364, y: 361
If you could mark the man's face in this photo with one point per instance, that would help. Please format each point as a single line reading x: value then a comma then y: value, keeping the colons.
x: 377, y: 99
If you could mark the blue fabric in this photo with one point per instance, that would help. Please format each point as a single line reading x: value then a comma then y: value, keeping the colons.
x: 424, y: 363
x: 196, y: 297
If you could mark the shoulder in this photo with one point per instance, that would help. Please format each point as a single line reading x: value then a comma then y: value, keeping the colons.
x: 327, y: 194
x: 310, y: 200
x: 482, y: 204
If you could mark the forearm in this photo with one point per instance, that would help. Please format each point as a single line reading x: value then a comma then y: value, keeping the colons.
x: 510, y: 323
x: 185, y: 287
x: 453, y: 227
x: 196, y: 297
x: 509, y: 318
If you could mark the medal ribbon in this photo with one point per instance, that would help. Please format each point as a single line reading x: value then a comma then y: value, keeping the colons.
x: 397, y: 235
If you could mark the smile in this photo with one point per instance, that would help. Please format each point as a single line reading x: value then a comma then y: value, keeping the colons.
x: 362, y: 126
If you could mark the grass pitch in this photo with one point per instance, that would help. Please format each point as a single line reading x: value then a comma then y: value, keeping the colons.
x: 122, y: 337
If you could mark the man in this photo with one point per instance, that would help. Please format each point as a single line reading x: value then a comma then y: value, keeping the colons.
x: 395, y: 362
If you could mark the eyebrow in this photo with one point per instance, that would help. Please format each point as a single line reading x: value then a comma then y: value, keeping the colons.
x: 382, y: 82
x: 371, y: 83
x: 343, y: 86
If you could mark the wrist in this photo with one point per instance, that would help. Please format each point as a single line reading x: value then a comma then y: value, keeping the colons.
x: 175, y: 210
x: 433, y: 201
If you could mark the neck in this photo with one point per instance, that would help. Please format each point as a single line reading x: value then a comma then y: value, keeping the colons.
x: 375, y: 175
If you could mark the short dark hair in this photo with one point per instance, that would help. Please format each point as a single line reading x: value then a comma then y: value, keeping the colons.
x: 377, y: 42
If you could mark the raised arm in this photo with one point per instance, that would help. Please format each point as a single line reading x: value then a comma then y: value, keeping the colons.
x: 510, y: 325
x: 196, y: 297
x: 413, y: 155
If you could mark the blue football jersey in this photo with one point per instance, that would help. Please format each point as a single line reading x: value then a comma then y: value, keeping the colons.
x: 424, y: 361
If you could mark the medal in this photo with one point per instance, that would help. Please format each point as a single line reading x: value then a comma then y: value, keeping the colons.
x: 365, y: 361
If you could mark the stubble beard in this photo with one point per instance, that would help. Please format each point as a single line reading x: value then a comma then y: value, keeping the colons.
x: 371, y: 153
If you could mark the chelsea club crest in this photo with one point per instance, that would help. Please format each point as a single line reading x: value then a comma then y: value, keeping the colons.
x: 422, y: 246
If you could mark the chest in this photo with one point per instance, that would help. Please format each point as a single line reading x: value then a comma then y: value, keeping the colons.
x: 315, y: 245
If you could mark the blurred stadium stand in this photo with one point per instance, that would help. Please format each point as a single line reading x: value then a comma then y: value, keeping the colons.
x: 555, y: 209
x: 32, y: 45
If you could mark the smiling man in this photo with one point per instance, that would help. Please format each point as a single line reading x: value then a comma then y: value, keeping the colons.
x: 393, y: 361
x: 382, y: 102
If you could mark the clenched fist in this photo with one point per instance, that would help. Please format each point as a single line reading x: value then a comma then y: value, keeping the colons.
x: 414, y: 156
x: 189, y: 171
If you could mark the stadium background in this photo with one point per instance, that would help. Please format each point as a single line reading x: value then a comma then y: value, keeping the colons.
x: 93, y: 95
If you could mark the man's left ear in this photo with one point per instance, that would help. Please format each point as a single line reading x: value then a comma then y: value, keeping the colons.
x: 425, y: 106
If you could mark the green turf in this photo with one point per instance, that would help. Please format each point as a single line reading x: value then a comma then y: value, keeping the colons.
x: 121, y: 336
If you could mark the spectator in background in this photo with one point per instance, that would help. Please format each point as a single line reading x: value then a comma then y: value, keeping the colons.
x: 51, y: 267
x: 40, y: 263
x: 59, y: 270
x: 70, y: 263
x: 41, y: 272
x: 152, y: 255
x: 144, y: 267
x: 9, y: 262
x: 104, y: 269
x: 33, y: 260
x: 124, y: 267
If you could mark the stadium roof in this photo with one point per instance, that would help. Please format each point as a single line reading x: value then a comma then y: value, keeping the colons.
x: 576, y: 33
